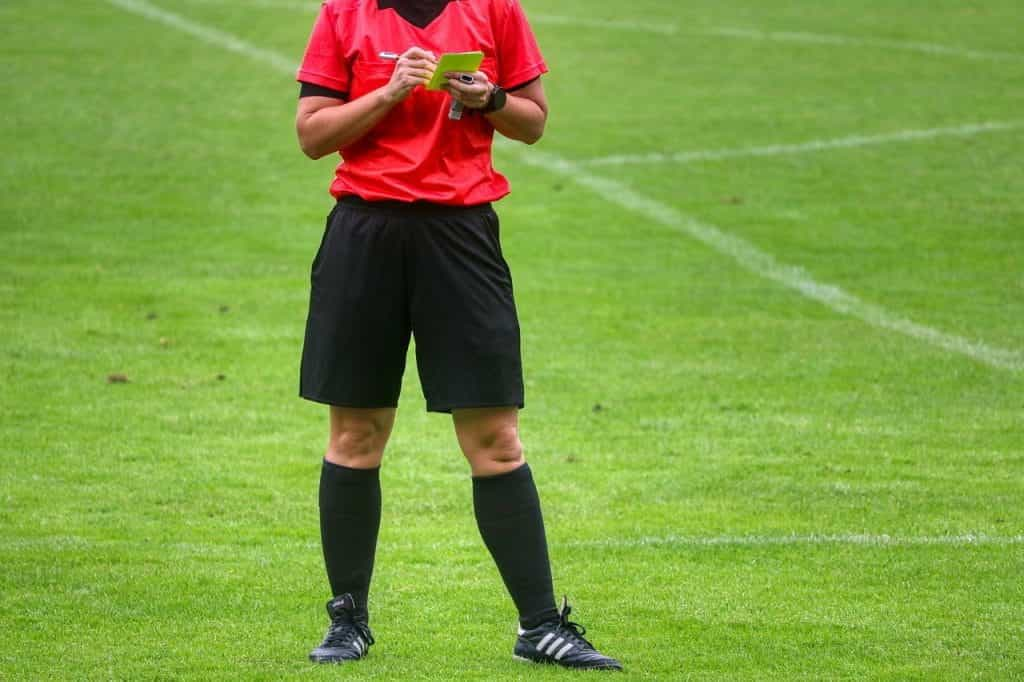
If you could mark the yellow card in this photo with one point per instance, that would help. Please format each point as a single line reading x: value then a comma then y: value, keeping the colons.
x: 466, y: 62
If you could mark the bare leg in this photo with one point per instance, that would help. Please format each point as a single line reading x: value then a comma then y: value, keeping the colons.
x: 358, y: 436
x: 489, y: 438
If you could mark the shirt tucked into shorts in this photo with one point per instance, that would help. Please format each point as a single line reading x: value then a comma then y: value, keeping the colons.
x: 412, y: 248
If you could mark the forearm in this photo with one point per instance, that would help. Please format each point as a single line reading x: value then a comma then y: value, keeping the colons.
x: 325, y: 126
x: 520, y: 119
x: 331, y: 128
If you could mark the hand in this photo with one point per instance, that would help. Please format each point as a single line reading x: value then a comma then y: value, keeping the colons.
x: 414, y: 67
x: 473, y: 95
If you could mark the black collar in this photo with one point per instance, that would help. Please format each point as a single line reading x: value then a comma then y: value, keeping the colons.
x: 417, y: 12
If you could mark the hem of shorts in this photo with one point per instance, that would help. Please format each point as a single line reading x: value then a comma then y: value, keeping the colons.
x: 447, y: 408
x: 346, y: 403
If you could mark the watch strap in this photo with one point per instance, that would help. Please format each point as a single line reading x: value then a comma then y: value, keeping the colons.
x: 497, y: 100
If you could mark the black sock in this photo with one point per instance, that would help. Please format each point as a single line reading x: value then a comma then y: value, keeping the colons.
x: 349, y: 521
x: 510, y: 522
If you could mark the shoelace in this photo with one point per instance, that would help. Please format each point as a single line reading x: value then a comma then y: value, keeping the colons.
x: 573, y: 630
x: 344, y: 630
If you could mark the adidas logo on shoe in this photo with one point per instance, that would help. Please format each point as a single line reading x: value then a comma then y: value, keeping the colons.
x: 561, y: 642
x: 348, y: 636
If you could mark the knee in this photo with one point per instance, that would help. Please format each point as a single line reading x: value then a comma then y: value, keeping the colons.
x: 498, y: 447
x: 357, y: 443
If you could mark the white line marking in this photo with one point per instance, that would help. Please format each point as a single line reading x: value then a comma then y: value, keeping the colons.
x: 859, y: 539
x: 827, y: 39
x: 852, y: 141
x: 669, y: 29
x: 549, y: 19
x: 207, y: 34
x: 75, y: 543
x: 744, y: 253
x: 764, y: 264
x: 754, y: 540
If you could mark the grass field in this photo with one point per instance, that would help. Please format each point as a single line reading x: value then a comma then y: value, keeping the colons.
x: 775, y: 372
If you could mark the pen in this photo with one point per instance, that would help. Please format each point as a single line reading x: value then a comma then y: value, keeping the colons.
x: 455, y: 111
x: 392, y: 56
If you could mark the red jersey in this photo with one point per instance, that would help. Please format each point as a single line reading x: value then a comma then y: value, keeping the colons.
x: 415, y: 152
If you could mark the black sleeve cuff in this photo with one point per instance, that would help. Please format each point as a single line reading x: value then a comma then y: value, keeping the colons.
x: 314, y: 90
x: 521, y: 85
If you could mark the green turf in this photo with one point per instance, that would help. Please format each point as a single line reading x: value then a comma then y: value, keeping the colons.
x: 719, y: 457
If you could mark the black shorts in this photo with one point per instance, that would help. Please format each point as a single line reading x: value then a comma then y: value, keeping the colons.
x: 386, y: 270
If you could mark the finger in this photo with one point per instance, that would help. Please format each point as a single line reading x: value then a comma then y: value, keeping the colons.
x: 417, y: 63
x: 464, y: 88
x: 461, y: 77
x: 410, y: 82
x: 417, y: 73
x: 473, y: 95
x: 420, y: 53
x: 481, y: 78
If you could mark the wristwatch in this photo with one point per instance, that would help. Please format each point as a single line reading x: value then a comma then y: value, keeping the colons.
x: 496, y: 102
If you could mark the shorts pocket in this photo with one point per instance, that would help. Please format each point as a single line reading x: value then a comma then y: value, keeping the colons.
x: 494, y: 230
x: 314, y: 266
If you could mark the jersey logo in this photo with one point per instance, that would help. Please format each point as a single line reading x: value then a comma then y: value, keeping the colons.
x: 419, y: 13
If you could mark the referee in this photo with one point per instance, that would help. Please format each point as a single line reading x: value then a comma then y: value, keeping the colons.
x: 412, y: 248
